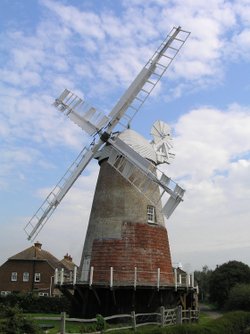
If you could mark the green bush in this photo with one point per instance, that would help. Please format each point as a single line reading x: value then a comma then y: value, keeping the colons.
x: 31, y: 303
x: 14, y: 322
x: 100, y: 322
x: 239, y: 298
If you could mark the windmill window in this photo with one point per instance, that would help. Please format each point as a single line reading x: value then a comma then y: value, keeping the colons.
x: 26, y: 276
x: 151, y: 214
x: 37, y: 277
x: 14, y: 277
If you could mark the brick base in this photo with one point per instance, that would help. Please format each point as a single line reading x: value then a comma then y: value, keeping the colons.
x: 143, y: 246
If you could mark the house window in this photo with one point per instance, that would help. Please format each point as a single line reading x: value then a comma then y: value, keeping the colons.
x: 14, y: 277
x: 43, y: 294
x: 26, y: 276
x: 5, y: 293
x: 37, y: 277
x: 151, y: 214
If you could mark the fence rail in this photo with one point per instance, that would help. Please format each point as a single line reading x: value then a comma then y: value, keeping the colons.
x: 166, y: 317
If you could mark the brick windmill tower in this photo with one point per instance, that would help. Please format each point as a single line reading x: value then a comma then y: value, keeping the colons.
x: 126, y: 254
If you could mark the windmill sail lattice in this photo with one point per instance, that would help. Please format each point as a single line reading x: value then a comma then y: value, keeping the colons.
x: 95, y: 122
x: 142, y: 175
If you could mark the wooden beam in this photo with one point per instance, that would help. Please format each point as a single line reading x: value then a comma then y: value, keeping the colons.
x: 96, y: 295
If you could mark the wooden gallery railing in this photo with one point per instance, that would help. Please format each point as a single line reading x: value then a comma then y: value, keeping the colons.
x: 134, y: 278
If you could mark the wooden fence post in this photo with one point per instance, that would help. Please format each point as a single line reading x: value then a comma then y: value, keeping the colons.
x: 175, y: 279
x: 133, y: 317
x: 63, y: 321
x: 91, y: 276
x: 179, y: 315
x: 74, y: 275
x: 158, y: 278
x: 135, y: 278
x: 56, y: 276
x: 162, y: 310
x: 62, y: 277
x: 111, y: 277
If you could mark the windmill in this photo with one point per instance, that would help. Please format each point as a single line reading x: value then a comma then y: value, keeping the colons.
x: 128, y: 171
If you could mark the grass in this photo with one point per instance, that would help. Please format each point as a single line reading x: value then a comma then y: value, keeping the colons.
x: 204, y: 319
x: 71, y: 327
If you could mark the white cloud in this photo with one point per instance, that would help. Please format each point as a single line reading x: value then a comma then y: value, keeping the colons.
x: 83, y: 23
x: 210, y: 139
x: 210, y: 147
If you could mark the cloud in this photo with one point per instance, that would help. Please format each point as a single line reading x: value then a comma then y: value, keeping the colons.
x: 211, y: 138
x: 213, y: 164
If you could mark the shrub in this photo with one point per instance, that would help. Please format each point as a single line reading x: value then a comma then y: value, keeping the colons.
x: 31, y: 303
x: 16, y: 323
x: 239, y: 298
x: 100, y: 322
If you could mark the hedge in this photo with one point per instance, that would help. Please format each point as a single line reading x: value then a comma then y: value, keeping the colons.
x: 30, y: 303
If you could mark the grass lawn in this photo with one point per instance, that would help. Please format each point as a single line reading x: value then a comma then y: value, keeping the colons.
x: 71, y: 327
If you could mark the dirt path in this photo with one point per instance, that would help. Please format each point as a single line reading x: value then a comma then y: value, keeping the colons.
x: 209, y: 311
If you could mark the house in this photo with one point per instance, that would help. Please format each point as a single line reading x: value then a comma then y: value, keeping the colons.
x: 32, y: 270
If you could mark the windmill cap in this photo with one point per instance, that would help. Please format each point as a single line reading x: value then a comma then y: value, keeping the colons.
x: 137, y: 142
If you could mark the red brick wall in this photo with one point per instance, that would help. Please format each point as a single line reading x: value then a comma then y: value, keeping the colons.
x: 21, y: 266
x: 143, y: 246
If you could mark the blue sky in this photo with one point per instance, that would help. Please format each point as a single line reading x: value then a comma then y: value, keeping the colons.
x: 95, y: 49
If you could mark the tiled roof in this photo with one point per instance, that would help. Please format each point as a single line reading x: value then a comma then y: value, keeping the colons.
x: 69, y: 265
x: 36, y: 253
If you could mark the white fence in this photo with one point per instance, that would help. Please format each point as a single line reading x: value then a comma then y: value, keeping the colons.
x: 166, y: 317
x: 134, y: 278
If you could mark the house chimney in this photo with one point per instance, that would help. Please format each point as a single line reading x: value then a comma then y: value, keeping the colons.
x: 38, y: 245
x: 68, y: 257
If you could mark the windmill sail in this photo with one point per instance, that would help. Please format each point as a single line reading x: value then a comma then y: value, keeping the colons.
x: 137, y: 93
x: 41, y: 216
x: 92, y: 121
x: 134, y: 97
x: 142, y: 174
x: 80, y: 112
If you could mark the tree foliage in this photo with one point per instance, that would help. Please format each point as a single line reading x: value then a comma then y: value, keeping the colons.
x: 224, y: 278
x: 14, y: 321
x: 239, y: 298
x: 32, y: 303
x: 202, y: 278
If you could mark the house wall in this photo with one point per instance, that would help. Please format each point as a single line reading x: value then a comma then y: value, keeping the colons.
x: 21, y: 266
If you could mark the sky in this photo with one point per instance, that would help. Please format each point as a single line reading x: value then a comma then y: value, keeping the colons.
x: 96, y: 48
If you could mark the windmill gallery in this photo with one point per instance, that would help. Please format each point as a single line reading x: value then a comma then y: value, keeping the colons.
x: 126, y: 261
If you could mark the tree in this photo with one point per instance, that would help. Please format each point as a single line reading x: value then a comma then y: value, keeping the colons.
x: 202, y: 278
x: 239, y: 298
x: 224, y: 277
